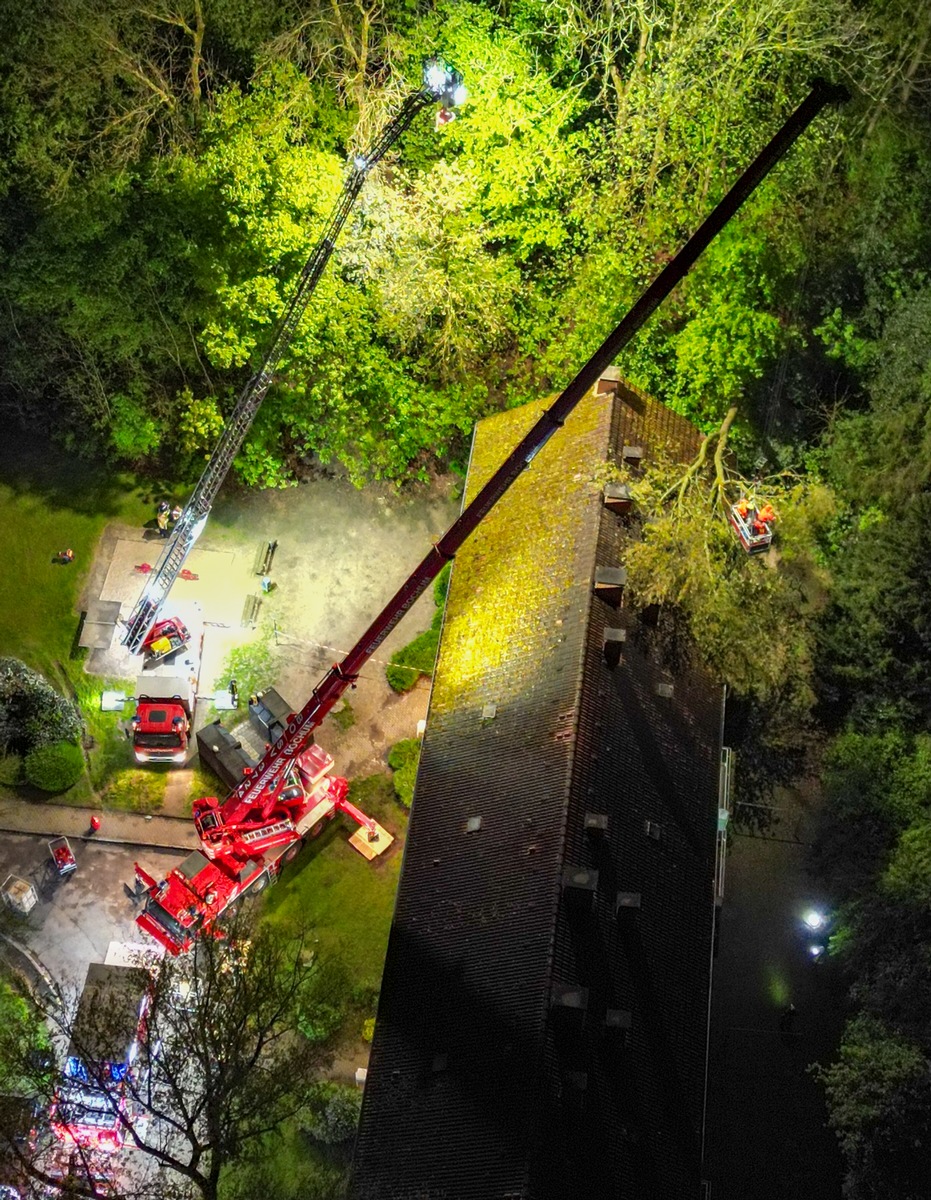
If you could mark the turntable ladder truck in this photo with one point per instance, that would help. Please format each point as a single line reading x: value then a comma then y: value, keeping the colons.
x: 441, y: 84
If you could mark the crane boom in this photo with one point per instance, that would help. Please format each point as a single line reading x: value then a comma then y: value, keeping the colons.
x: 440, y: 83
x: 277, y: 761
x: 287, y: 796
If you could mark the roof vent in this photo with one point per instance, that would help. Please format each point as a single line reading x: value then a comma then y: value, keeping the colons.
x: 626, y: 901
x: 665, y: 689
x: 473, y: 825
x: 652, y: 830
x: 618, y: 1018
x: 596, y: 823
x: 489, y: 712
x: 612, y: 645
x: 608, y: 380
x: 632, y: 455
x: 609, y: 584
x: 440, y: 1063
x: 580, y: 881
x: 569, y: 996
x: 617, y: 497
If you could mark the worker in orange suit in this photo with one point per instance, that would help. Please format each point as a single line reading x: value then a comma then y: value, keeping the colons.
x: 761, y: 521
x: 742, y: 508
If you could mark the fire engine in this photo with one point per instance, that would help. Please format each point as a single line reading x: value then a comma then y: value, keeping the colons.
x: 288, y: 794
x: 166, y: 694
x: 91, y: 1102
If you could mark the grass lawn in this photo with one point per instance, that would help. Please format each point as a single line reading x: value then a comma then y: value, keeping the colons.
x: 347, y: 900
x: 50, y: 500
x: 289, y: 1166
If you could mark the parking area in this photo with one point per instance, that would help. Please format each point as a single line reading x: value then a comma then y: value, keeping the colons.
x: 78, y: 916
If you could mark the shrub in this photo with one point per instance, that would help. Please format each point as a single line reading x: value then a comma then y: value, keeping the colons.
x: 418, y: 657
x: 403, y: 758
x: 441, y: 588
x: 11, y: 769
x: 319, y: 1021
x: 334, y: 1112
x: 412, y: 661
x: 368, y: 1029
x: 32, y: 713
x: 54, y: 768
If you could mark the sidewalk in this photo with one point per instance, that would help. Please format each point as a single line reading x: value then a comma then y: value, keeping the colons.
x: 119, y: 828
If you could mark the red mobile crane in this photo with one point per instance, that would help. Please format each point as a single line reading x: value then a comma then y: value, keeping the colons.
x: 263, y: 823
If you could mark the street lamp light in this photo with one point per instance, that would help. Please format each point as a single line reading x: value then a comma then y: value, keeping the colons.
x: 814, y: 920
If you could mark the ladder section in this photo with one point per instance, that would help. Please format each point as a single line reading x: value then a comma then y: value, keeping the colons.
x: 191, y: 522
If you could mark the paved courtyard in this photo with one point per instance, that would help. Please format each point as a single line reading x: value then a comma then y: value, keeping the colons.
x: 341, y: 554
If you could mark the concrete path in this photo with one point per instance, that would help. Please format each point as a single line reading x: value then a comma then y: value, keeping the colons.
x: 117, y: 828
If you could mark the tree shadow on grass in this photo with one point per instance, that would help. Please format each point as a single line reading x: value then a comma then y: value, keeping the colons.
x: 32, y: 465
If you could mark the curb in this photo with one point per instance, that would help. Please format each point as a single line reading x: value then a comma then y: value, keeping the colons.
x: 107, y: 841
x: 36, y: 967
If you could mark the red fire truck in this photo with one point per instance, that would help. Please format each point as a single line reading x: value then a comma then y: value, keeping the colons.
x: 91, y: 1104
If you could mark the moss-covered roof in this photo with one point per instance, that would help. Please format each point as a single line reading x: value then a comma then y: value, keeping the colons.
x: 476, y: 1086
x: 509, y: 590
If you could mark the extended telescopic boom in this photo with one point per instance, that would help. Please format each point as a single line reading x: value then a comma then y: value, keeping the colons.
x: 440, y: 84
x: 271, y: 771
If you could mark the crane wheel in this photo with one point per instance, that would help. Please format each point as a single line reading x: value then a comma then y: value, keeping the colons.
x: 293, y: 850
x: 317, y: 829
x: 260, y: 885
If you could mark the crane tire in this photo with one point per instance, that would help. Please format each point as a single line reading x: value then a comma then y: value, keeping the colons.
x: 260, y: 885
x: 293, y: 850
x: 317, y: 829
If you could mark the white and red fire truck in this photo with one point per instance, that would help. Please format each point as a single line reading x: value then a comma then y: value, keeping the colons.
x: 166, y: 694
x: 91, y: 1102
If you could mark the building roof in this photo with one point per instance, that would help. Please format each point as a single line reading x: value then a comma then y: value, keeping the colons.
x: 530, y: 1041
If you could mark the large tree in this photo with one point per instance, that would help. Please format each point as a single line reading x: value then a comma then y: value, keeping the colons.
x: 221, y: 1061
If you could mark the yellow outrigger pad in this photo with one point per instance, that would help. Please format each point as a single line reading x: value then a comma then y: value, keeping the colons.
x: 360, y: 841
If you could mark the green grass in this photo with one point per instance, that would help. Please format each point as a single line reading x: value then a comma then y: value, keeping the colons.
x: 48, y: 501
x: 140, y: 790
x: 343, y: 717
x: 288, y: 1166
x: 348, y: 901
